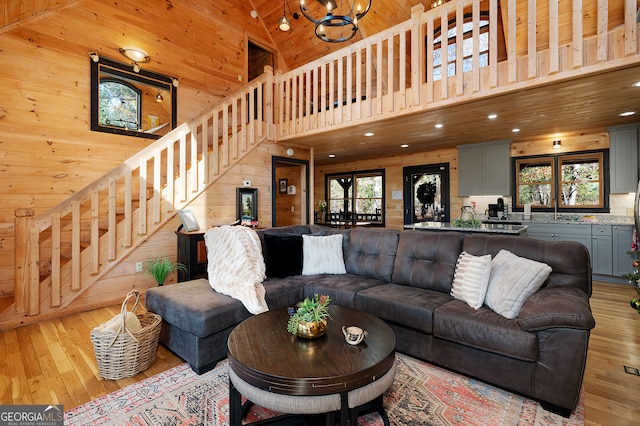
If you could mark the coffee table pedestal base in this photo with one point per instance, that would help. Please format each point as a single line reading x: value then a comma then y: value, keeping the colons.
x: 298, y: 408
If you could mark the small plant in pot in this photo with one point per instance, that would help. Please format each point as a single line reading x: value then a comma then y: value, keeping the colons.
x: 161, y: 267
x: 309, y: 320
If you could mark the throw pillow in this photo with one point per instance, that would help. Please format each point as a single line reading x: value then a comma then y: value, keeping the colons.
x: 322, y: 255
x: 471, y: 279
x: 513, y: 280
x: 283, y: 255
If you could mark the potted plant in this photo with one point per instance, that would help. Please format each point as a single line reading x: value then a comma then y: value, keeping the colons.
x: 161, y: 267
x: 309, y: 320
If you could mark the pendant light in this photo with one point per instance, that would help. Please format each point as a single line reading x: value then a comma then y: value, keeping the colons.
x: 341, y: 20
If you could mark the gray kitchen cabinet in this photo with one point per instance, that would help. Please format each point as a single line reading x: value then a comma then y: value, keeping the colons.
x: 623, y: 158
x: 601, y: 258
x: 621, y: 240
x: 579, y: 232
x: 484, y: 169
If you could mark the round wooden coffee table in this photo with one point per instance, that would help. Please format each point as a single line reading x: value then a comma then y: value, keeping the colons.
x: 285, y: 373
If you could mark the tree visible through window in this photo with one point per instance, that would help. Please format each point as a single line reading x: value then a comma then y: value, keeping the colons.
x: 467, y: 49
x: 119, y: 105
x: 356, y: 196
x: 577, y: 181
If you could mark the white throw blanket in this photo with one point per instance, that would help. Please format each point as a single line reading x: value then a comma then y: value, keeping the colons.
x: 236, y: 266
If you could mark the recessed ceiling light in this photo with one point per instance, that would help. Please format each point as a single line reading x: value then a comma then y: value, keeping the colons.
x: 627, y: 113
x: 516, y: 130
x: 636, y: 84
x: 332, y: 156
x: 439, y: 126
x: 404, y: 145
x: 492, y: 116
x: 369, y: 134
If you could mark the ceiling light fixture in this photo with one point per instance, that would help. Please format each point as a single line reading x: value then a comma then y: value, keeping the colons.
x: 341, y: 25
x: 492, y: 116
x: 284, y: 23
x: 332, y: 156
x: 404, y: 145
x: 136, y: 55
x: 439, y: 126
x: 369, y: 134
x: 516, y: 130
x: 627, y: 113
x: 159, y: 97
x: 557, y: 144
x: 636, y: 84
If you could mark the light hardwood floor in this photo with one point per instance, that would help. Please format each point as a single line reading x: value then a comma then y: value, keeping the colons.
x: 53, y: 362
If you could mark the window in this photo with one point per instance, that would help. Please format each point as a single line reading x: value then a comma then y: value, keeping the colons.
x: 578, y: 181
x: 357, y: 196
x: 119, y: 104
x: 467, y: 48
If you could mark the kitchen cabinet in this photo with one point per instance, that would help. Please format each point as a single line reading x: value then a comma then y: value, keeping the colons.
x: 621, y: 240
x: 601, y: 258
x: 578, y: 232
x: 192, y: 252
x: 484, y: 169
x: 623, y: 158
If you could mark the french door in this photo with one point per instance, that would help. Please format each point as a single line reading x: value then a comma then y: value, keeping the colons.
x: 426, y: 193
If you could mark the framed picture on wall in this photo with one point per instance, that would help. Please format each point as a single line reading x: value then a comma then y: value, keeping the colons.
x: 282, y: 185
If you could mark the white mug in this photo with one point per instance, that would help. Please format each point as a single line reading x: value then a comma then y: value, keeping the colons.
x: 353, y: 335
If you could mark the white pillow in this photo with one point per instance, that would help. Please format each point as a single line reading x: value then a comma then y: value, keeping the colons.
x: 471, y: 279
x: 322, y: 255
x: 513, y: 280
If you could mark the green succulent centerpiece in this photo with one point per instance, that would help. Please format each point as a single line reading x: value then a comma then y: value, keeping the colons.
x: 309, y: 318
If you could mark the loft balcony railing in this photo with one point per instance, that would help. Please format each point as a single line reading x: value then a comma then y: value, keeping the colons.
x: 400, y: 70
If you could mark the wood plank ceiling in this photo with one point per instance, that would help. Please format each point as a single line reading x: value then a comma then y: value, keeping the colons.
x: 204, y: 43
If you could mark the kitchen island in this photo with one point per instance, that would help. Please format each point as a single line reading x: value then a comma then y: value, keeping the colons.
x: 486, y: 228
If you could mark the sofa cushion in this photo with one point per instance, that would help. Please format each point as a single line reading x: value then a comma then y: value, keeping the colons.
x: 371, y: 252
x: 322, y: 255
x: 408, y: 306
x: 471, y: 279
x: 513, y: 280
x: 193, y: 306
x: 341, y: 288
x: 427, y: 259
x: 484, y: 329
x: 283, y: 255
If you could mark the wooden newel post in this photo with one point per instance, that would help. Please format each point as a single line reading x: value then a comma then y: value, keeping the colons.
x: 25, y: 263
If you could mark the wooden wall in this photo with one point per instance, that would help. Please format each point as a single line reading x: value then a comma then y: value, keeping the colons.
x: 47, y: 151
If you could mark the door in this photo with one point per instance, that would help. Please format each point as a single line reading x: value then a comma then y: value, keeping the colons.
x: 290, y: 194
x: 426, y: 193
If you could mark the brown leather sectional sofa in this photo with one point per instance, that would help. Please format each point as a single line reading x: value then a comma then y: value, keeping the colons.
x: 405, y: 278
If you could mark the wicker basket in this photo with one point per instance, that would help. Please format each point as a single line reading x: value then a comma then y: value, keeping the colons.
x: 125, y: 353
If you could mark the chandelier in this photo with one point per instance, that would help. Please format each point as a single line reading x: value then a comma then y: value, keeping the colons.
x: 341, y: 21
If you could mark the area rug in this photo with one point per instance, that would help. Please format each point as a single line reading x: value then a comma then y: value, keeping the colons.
x: 421, y: 394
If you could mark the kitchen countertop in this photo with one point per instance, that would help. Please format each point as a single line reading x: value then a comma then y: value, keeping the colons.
x: 568, y: 220
x: 489, y: 228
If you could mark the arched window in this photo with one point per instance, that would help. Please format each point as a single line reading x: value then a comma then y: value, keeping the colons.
x: 467, y: 47
x: 119, y: 103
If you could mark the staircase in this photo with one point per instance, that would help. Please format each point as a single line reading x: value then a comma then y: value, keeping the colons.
x: 62, y: 253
